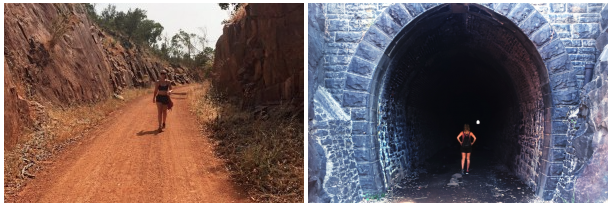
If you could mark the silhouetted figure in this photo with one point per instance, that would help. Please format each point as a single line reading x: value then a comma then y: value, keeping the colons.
x: 466, y: 146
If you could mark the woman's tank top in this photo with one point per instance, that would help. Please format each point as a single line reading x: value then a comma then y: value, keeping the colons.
x: 163, y: 88
x: 466, y: 139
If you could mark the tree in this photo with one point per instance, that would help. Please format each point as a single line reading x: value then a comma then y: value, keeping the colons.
x: 226, y: 6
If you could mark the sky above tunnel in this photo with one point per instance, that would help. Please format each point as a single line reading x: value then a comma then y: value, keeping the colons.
x: 174, y: 16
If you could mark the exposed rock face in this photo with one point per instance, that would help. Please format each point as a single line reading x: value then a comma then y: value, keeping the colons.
x: 54, y: 55
x: 259, y: 59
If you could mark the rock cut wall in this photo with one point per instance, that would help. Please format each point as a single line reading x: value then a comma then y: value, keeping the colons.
x: 259, y: 59
x: 55, y: 56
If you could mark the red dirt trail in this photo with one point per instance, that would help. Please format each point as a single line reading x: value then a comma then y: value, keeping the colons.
x: 125, y: 159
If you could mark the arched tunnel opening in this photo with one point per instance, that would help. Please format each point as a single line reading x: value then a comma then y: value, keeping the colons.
x: 452, y: 65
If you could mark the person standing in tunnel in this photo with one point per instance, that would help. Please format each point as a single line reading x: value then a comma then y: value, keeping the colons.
x: 466, y: 146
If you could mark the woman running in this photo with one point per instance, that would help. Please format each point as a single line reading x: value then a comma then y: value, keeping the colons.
x: 161, y: 98
x: 466, y: 146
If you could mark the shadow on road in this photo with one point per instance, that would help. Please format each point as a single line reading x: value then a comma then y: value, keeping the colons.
x: 141, y: 133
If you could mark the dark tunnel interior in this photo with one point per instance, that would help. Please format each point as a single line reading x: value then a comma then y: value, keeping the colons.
x: 451, y: 67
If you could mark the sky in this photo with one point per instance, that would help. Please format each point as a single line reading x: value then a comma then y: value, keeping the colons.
x: 187, y: 16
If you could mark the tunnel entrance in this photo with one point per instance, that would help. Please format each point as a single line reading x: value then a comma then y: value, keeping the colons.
x: 455, y: 64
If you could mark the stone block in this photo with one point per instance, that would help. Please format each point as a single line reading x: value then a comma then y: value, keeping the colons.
x: 548, y: 195
x: 399, y: 14
x: 585, y: 31
x: 335, y: 8
x: 360, y: 24
x: 362, y: 141
x: 559, y: 141
x: 562, y: 81
x: 560, y: 113
x: 591, y: 9
x: 334, y: 83
x: 559, y: 64
x: 335, y: 68
x: 504, y: 8
x: 415, y: 9
x: 334, y: 75
x: 321, y: 133
x: 588, y: 43
x: 571, y: 43
x: 355, y: 99
x: 533, y: 23
x: 339, y: 128
x: 369, y: 53
x: 577, y: 63
x: 363, y: 155
x: 551, y: 183
x: 555, y: 169
x: 358, y: 83
x: 377, y: 38
x: 361, y: 128
x: 353, y: 7
x: 358, y: 114
x: 557, y: 7
x: 338, y: 25
x: 564, y: 35
x: 557, y: 155
x: 544, y: 35
x: 555, y: 48
x: 602, y: 40
x: 582, y: 57
x: 576, y: 7
x: 559, y: 127
x: 352, y: 37
x: 568, y: 97
x: 520, y: 13
x: 588, y: 50
x: 562, y: 18
x: 572, y: 50
x: 604, y: 17
x: 336, y: 60
x: 387, y: 25
x: 589, y: 18
x: 361, y: 66
x: 560, y: 28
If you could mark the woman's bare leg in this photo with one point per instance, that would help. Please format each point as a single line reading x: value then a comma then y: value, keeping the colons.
x: 164, y: 113
x: 463, y: 158
x: 467, y: 161
x: 159, y: 105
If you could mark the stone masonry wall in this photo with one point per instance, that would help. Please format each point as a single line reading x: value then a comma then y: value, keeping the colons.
x: 584, y: 170
x: 343, y: 134
x: 578, y: 26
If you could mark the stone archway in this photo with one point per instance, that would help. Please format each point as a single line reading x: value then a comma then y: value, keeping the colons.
x: 401, y: 55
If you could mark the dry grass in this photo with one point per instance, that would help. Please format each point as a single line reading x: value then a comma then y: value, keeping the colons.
x: 264, y: 150
x: 55, y: 129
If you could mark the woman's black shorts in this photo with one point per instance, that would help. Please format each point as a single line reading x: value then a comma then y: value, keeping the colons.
x: 164, y: 99
x: 467, y: 149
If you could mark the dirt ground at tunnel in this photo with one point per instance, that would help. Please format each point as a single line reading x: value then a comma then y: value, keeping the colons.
x: 126, y: 160
x: 487, y: 182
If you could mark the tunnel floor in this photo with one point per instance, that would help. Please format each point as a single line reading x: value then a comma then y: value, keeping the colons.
x: 488, y: 181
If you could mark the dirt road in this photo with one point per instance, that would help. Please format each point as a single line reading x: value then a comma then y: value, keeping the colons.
x: 127, y: 160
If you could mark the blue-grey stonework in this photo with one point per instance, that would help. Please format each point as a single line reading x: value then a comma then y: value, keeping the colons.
x: 584, y: 176
x: 366, y: 75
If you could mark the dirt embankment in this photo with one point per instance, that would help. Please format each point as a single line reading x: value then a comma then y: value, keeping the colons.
x: 260, y: 58
x: 56, y: 57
